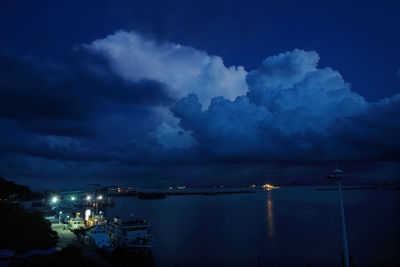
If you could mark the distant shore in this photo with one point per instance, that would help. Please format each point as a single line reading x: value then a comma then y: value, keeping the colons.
x: 181, y: 193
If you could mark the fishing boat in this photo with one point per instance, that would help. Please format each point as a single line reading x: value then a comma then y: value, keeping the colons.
x: 97, y: 237
x: 76, y: 223
x: 130, y: 234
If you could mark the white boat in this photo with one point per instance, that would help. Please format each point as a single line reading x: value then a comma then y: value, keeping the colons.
x: 98, y: 238
x: 134, y: 233
x: 76, y: 223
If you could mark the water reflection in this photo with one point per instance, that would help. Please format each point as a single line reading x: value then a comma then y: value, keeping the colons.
x: 270, y: 217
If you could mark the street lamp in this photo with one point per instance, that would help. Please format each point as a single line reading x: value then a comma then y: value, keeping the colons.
x: 338, y: 175
x: 87, y: 214
x: 54, y: 200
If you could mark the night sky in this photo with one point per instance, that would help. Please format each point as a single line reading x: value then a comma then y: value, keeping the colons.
x: 207, y: 92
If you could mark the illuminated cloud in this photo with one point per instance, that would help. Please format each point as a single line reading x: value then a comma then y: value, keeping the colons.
x: 126, y: 101
x: 293, y: 111
x: 183, y: 69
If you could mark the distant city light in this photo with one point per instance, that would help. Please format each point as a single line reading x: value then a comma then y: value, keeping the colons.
x: 88, y: 198
x: 60, y: 212
x: 269, y: 187
x: 72, y: 198
x: 100, y: 197
x: 54, y: 199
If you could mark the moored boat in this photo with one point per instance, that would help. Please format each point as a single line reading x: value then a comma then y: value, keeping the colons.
x: 76, y: 223
x: 130, y: 234
x: 98, y: 238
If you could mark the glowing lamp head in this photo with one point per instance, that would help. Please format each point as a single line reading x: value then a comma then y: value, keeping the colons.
x: 54, y: 200
x: 72, y: 198
x: 100, y: 197
x: 87, y: 214
x: 88, y: 198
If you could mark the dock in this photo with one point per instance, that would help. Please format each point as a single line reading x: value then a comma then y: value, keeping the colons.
x: 67, y: 237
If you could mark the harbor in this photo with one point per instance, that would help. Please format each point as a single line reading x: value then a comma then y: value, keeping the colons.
x: 86, y: 219
x: 255, y: 222
x: 79, y: 220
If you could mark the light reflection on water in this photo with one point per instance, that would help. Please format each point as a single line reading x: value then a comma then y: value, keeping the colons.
x: 270, y: 217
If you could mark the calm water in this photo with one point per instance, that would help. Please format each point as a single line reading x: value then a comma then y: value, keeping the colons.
x: 291, y: 226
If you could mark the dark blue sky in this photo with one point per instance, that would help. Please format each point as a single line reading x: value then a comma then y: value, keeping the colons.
x: 359, y: 38
x: 81, y: 108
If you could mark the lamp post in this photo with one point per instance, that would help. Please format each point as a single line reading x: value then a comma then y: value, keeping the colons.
x: 54, y: 200
x: 338, y: 175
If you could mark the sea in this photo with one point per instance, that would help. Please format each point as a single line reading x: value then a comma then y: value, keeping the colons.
x: 291, y: 226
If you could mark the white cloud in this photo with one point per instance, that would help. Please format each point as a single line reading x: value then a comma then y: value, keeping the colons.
x: 292, y: 83
x: 183, y: 69
x: 284, y: 109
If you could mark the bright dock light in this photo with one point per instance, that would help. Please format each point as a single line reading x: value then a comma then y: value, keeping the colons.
x: 88, y: 198
x: 72, y: 198
x: 54, y: 199
x: 87, y: 214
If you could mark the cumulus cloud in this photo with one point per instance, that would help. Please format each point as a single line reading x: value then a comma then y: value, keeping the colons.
x: 293, y: 111
x: 184, y: 69
x: 126, y: 100
x: 292, y: 81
